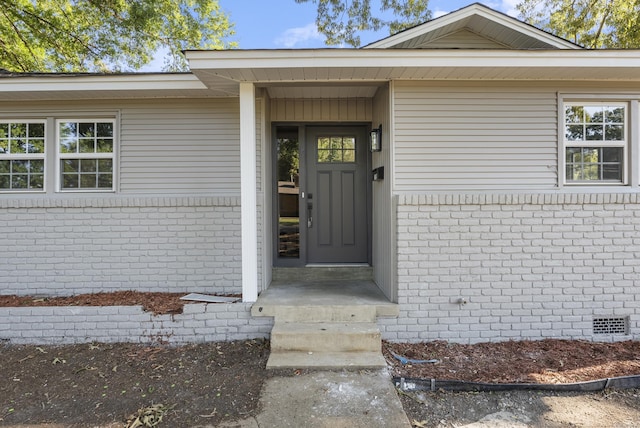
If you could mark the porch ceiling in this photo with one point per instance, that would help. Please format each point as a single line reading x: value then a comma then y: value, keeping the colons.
x: 376, y: 65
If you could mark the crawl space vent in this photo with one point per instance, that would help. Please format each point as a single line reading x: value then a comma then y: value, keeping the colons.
x: 611, y: 325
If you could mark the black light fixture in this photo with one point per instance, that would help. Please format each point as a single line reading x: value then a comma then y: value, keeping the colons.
x: 375, y: 138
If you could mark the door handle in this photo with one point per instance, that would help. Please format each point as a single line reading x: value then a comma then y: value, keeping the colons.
x: 309, y: 215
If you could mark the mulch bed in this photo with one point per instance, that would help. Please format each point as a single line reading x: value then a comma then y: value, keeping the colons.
x: 544, y: 361
x: 157, y: 303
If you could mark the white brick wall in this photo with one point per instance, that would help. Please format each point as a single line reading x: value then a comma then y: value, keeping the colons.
x: 531, y: 266
x: 84, y: 245
x: 84, y: 324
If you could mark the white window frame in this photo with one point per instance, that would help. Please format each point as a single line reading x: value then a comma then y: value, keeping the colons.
x: 624, y: 144
x: 29, y: 156
x: 94, y: 155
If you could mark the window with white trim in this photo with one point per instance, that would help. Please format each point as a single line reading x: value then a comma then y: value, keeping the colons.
x: 22, y: 155
x: 85, y: 155
x: 595, y: 141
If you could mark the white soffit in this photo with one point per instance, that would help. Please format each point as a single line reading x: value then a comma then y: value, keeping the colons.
x: 376, y: 65
x: 25, y: 87
x: 478, y: 19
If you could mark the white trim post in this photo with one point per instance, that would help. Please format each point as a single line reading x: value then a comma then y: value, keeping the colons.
x: 248, y: 189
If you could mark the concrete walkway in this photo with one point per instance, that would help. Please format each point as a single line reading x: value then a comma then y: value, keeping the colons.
x: 328, y: 399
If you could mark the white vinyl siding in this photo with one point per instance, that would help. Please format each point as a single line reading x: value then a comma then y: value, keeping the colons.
x: 190, y: 146
x: 165, y: 147
x: 474, y: 137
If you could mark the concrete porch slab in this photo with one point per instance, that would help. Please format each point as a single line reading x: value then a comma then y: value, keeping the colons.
x: 358, y: 300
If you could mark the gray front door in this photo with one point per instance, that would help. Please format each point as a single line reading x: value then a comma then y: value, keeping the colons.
x: 336, y: 201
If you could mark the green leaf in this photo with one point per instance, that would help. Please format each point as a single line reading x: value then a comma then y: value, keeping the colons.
x: 106, y: 35
x: 341, y: 21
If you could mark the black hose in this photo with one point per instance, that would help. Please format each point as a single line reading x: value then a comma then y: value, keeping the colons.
x: 416, y: 384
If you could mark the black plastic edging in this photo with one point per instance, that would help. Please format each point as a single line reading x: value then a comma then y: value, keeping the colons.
x: 416, y: 384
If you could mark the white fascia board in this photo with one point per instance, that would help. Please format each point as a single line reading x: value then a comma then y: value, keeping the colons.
x: 77, y: 83
x: 397, y: 58
x: 466, y: 13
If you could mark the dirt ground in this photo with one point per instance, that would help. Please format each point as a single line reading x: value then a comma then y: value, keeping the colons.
x: 546, y: 361
x: 127, y: 385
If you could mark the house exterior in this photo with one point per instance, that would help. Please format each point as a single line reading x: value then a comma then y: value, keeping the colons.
x: 503, y: 201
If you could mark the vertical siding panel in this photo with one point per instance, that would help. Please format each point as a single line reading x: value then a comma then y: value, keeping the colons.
x: 326, y: 110
x: 383, y: 239
x: 317, y: 110
x: 298, y: 112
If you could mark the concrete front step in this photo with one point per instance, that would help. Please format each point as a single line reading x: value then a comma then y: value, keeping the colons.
x: 321, y: 313
x: 325, y: 337
x: 326, y: 360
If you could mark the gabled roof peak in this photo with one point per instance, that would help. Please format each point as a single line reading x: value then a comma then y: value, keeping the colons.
x: 500, y: 29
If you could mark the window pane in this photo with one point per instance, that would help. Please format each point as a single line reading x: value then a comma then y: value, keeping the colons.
x: 323, y: 143
x: 68, y: 130
x: 574, y: 114
x: 614, y: 114
x: 4, y: 130
x: 18, y: 130
x: 105, y: 129
x: 19, y: 181
x: 18, y: 146
x: 36, y: 130
x: 349, y: 156
x: 86, y: 130
x: 19, y: 166
x: 593, y: 114
x: 289, y: 190
x: 36, y: 145
x: 105, y: 145
x: 336, y: 143
x: 70, y: 181
x: 324, y: 156
x: 70, y: 165
x: 614, y: 133
x: 88, y: 165
x: 36, y: 166
x: 105, y: 181
x: 5, y: 166
x: 594, y: 132
x: 88, y: 181
x: 86, y: 145
x: 574, y: 132
x: 612, y: 154
x: 68, y: 145
x: 105, y: 165
x: 36, y: 181
x: 5, y: 181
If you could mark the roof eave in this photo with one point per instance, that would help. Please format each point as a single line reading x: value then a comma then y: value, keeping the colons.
x: 467, y: 12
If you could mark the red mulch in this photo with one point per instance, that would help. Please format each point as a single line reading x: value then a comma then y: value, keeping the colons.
x: 157, y: 303
x: 543, y: 361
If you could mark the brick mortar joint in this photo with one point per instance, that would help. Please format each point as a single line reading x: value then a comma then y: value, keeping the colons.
x: 529, y: 198
x: 122, y: 202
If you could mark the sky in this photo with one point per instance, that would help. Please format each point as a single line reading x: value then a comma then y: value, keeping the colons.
x: 285, y: 24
